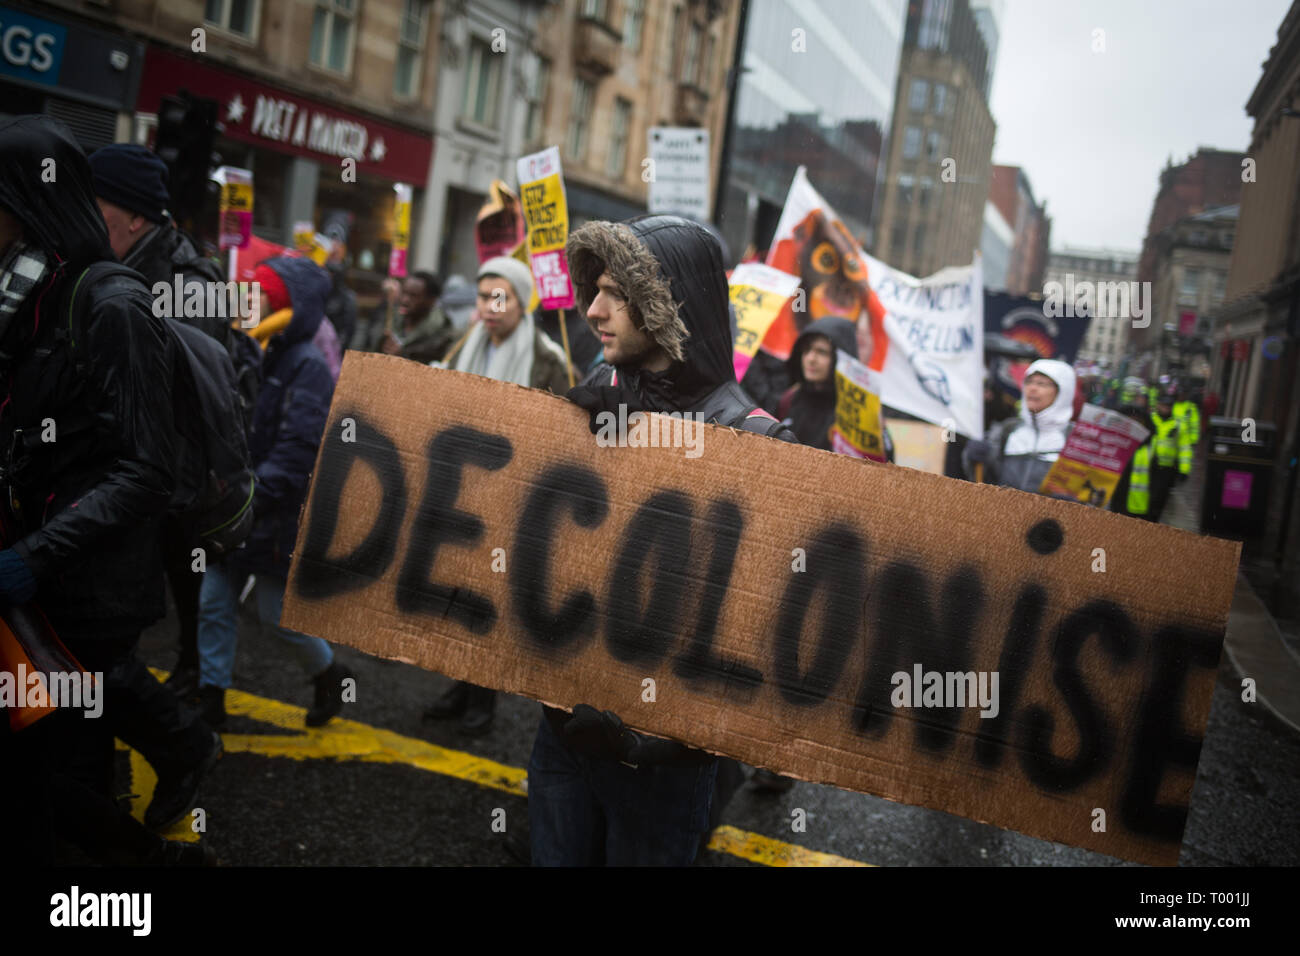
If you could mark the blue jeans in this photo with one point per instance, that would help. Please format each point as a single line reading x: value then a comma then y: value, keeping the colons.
x: 591, y: 811
x: 219, y: 617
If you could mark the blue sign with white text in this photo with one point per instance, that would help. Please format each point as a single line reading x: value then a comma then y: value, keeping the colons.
x: 30, y: 48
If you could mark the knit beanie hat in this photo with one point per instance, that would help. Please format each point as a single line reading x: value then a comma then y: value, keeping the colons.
x: 513, y: 271
x: 277, y: 293
x: 132, y: 177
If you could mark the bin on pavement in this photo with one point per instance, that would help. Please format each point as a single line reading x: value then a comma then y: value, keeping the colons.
x: 1237, y: 476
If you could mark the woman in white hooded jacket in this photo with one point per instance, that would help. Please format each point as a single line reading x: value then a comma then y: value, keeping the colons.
x: 1018, y: 452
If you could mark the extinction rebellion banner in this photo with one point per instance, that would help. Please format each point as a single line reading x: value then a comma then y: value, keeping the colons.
x: 924, y: 336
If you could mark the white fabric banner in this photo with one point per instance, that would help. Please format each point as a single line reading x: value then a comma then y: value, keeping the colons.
x: 935, y: 365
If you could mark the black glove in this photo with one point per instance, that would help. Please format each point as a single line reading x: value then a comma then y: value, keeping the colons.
x: 594, y: 733
x: 603, y: 734
x: 978, y: 450
x: 601, y: 398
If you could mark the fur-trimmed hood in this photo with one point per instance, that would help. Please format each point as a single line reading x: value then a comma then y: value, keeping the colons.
x: 672, y: 273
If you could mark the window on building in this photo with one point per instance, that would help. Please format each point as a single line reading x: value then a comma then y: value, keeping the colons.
x: 616, y: 160
x: 906, y: 189
x: 933, y: 145
x: 940, y: 99
x: 1190, y: 286
x: 926, y: 192
x: 579, y: 118
x: 918, y: 96
x: 595, y: 9
x: 911, y: 142
x: 237, y: 16
x: 410, y: 48
x: 1218, y: 285
x: 691, y: 57
x: 918, y: 239
x: 482, y: 84
x: 633, y: 22
x: 537, y: 101
x: 331, y: 34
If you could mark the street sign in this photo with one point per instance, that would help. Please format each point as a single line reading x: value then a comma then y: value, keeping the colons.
x: 680, y: 181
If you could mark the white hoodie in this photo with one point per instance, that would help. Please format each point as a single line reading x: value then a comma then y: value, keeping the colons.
x: 1044, y: 434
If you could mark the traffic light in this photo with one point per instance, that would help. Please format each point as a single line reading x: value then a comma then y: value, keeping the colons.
x: 187, y: 129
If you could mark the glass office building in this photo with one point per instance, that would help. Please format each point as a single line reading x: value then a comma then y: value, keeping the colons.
x: 816, y: 89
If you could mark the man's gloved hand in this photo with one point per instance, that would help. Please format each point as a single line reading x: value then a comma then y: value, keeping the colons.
x: 597, y: 733
x: 602, y: 398
x: 594, y: 733
x: 17, y: 584
x: 978, y: 450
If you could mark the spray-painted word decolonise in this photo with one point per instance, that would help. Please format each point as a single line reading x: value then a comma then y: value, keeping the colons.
x: 759, y: 599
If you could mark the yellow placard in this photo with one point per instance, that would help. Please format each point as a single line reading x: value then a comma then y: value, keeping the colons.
x: 236, y: 197
x: 547, y: 213
x: 856, y: 430
x: 757, y: 294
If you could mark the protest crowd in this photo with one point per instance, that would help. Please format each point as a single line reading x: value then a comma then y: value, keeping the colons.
x: 186, y: 445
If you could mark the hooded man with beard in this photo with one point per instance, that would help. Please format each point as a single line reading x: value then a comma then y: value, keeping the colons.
x: 654, y: 291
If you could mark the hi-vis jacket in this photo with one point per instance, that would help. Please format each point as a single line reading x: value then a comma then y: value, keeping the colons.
x: 1172, y: 444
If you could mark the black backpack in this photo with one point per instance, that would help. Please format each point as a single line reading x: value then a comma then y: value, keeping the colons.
x: 245, y: 355
x: 213, y: 496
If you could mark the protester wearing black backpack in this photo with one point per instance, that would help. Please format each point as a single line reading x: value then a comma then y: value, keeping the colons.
x: 88, y: 447
x: 131, y: 190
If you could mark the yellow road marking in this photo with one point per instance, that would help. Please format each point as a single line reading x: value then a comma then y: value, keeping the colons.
x: 342, y: 739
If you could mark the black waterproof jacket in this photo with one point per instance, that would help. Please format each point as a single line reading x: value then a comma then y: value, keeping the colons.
x: 809, y: 408
x: 167, y: 252
x: 288, y: 420
x: 82, y: 511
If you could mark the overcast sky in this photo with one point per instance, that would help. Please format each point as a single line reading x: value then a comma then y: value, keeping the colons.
x: 1093, y: 130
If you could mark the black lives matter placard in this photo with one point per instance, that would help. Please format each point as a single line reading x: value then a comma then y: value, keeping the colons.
x: 802, y: 611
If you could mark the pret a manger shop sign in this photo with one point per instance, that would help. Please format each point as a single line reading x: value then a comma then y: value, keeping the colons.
x: 830, y: 618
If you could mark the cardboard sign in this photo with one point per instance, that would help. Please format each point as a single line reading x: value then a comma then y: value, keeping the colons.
x: 401, y: 230
x: 541, y: 185
x: 758, y: 293
x: 856, y: 431
x: 880, y: 629
x: 1094, y: 457
x: 235, y: 207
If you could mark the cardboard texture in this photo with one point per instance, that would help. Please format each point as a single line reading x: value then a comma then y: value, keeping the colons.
x: 772, y: 592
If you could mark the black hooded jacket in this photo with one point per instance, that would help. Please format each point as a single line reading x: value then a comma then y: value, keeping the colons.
x: 167, y: 252
x: 809, y: 407
x: 82, y: 510
x: 672, y: 273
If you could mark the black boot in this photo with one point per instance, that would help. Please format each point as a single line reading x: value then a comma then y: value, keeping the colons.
x: 183, y: 680
x: 450, y: 703
x: 211, y: 702
x: 329, y: 693
x: 175, y: 793
x: 479, y: 711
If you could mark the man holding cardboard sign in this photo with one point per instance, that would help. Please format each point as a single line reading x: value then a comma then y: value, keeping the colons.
x: 655, y: 292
